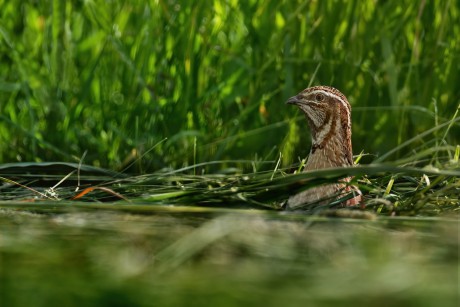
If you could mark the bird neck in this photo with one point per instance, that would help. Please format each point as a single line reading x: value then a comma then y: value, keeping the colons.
x: 331, y: 142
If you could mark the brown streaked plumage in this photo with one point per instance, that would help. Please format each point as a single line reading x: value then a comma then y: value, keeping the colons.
x: 328, y: 114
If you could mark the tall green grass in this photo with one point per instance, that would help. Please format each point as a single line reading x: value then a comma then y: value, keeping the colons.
x: 184, y: 102
x: 174, y: 83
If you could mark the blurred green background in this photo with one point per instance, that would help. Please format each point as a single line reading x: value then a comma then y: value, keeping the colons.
x: 116, y: 78
x: 171, y: 83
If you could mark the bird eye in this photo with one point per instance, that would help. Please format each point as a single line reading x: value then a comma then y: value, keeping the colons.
x: 319, y: 97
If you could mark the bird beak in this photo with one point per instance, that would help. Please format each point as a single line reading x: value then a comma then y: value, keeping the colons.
x: 293, y: 100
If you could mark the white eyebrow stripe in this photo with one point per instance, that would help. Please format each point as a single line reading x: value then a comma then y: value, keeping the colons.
x: 326, y: 93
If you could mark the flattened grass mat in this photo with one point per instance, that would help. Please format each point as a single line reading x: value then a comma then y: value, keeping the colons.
x: 224, y: 239
x: 99, y: 254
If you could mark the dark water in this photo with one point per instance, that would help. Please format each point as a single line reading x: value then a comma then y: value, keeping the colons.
x: 169, y: 256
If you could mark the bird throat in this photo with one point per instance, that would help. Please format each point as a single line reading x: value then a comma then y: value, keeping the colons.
x: 331, y: 144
